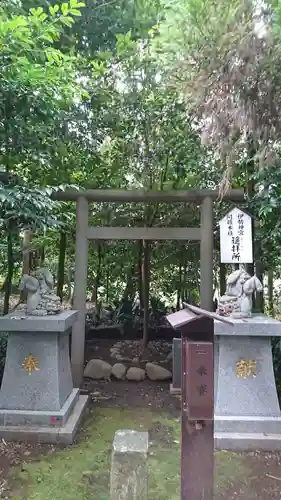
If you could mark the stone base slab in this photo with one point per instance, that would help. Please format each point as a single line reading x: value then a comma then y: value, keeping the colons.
x: 175, y: 391
x: 235, y: 441
x: 45, y: 418
x: 18, y: 321
x: 45, y: 434
x: 250, y: 424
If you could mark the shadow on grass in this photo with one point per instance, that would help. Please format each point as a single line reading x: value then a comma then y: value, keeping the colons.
x: 81, y: 472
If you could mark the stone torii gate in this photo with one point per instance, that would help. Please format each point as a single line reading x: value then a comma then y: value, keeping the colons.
x: 84, y: 233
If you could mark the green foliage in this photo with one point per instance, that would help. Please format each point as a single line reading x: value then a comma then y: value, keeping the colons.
x: 101, y: 22
x: 266, y: 204
x: 25, y: 208
x: 122, y: 128
x: 84, y: 100
x: 38, y: 87
x: 37, y: 84
x: 27, y: 44
x: 222, y: 57
x: 129, y: 313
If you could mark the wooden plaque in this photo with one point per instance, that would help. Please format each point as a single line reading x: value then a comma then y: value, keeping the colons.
x: 199, y: 380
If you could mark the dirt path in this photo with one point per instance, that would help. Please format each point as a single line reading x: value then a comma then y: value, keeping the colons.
x: 262, y: 480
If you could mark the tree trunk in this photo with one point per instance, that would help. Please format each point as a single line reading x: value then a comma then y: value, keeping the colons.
x: 42, y: 256
x: 26, y: 252
x: 250, y: 268
x: 146, y: 260
x: 179, y: 287
x: 10, y: 272
x: 222, y: 279
x: 184, y: 281
x: 140, y: 281
x: 94, y: 297
x: 270, y: 291
x: 61, y: 265
x: 130, y: 289
x: 69, y: 284
x: 107, y: 279
x: 259, y: 302
x: 26, y: 259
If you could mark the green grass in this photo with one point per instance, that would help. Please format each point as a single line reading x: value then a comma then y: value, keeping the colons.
x: 81, y: 472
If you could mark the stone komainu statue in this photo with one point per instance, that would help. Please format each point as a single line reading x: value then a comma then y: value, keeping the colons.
x: 41, y: 299
x: 237, y: 301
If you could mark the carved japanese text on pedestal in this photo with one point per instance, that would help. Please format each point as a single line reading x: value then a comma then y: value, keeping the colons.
x: 31, y: 364
x: 246, y: 368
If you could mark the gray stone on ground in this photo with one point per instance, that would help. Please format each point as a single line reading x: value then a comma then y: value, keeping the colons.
x: 97, y: 369
x: 136, y: 374
x: 156, y: 372
x: 169, y: 358
x: 119, y: 371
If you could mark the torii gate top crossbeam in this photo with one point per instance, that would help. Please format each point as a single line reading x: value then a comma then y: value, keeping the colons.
x: 140, y: 196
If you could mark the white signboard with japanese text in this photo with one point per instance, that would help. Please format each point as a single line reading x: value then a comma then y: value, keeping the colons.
x: 236, y: 245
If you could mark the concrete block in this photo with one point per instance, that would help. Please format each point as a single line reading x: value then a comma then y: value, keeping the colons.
x: 43, y: 434
x: 20, y: 322
x: 129, y: 467
x: 41, y: 418
x: 245, y: 404
x: 37, y: 399
x: 49, y: 384
x: 258, y: 325
x: 237, y: 441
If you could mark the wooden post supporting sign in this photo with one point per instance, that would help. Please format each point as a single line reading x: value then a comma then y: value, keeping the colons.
x: 197, y: 417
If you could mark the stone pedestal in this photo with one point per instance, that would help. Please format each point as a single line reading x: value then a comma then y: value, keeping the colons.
x: 37, y: 398
x: 247, y: 412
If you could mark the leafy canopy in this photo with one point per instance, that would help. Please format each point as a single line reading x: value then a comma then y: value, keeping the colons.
x: 37, y: 83
x: 27, y: 48
x: 224, y: 57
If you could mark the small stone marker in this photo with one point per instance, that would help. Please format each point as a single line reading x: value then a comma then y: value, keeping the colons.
x: 129, y: 468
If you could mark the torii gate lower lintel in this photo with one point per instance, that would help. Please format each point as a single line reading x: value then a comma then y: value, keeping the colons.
x: 204, y: 234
